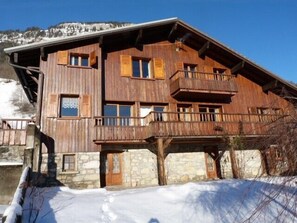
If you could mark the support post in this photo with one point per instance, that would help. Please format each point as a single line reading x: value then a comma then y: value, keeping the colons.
x: 161, y: 162
x: 33, y: 143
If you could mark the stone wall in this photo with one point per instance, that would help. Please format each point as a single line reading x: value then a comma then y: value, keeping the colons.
x: 139, y: 168
x: 12, y: 154
x: 185, y: 167
x: 86, y: 175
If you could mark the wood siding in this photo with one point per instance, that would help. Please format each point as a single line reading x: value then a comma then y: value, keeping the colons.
x: 71, y: 134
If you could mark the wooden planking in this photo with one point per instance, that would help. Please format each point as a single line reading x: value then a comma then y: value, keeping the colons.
x: 12, y: 137
x: 77, y: 134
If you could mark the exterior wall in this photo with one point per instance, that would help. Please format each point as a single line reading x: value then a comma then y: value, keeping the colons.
x: 87, y: 170
x: 12, y: 154
x: 140, y: 168
x: 249, y: 162
x: 185, y: 167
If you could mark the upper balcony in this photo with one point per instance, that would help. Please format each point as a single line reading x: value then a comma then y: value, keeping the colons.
x: 200, y: 85
x: 197, y: 126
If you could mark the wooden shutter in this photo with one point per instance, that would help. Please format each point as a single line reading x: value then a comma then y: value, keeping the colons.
x: 63, y: 57
x: 53, y: 105
x: 126, y: 65
x: 93, y: 58
x: 85, y: 110
x: 209, y: 72
x: 158, y: 66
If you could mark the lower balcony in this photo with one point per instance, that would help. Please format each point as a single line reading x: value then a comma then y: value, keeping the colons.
x: 185, y: 85
x: 13, y: 131
x: 196, y: 126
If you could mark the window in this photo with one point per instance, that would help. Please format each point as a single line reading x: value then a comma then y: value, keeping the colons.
x: 141, y: 68
x: 68, y: 162
x: 116, y: 114
x: 184, y: 112
x: 69, y: 106
x: 79, y: 60
x: 190, y: 70
x: 210, y: 113
x: 157, y: 115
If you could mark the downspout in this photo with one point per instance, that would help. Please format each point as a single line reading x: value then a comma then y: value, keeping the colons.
x: 39, y: 91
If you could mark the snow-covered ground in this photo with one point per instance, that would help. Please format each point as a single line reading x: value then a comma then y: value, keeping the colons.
x: 215, y: 201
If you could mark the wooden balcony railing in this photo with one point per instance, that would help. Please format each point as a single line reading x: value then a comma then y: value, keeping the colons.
x: 13, y: 131
x: 200, y: 84
x: 176, y: 124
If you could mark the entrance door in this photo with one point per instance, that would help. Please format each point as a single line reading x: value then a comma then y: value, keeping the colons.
x: 211, y: 160
x: 110, y: 168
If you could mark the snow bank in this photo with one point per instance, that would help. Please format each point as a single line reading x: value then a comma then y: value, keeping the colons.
x: 213, y: 202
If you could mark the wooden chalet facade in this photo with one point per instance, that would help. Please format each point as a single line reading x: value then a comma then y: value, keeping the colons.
x: 146, y: 104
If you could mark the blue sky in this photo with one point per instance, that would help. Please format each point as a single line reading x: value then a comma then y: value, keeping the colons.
x: 264, y: 31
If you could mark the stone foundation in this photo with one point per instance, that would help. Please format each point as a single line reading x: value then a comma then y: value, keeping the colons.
x: 86, y: 174
x: 12, y: 154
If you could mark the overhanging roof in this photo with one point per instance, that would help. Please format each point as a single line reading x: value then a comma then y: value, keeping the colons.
x: 194, y: 38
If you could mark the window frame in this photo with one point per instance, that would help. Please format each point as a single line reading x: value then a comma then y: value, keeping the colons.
x: 73, y: 162
x: 119, y: 120
x: 60, y: 106
x: 209, y: 116
x: 141, y: 71
x: 80, y: 57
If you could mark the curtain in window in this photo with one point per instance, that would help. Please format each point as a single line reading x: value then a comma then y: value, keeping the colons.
x: 69, y: 103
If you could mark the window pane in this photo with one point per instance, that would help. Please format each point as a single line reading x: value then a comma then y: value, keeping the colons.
x: 69, y: 106
x: 74, y: 60
x: 110, y: 110
x: 158, y: 115
x: 136, y: 68
x: 85, y: 61
x: 145, y: 69
x: 125, y: 113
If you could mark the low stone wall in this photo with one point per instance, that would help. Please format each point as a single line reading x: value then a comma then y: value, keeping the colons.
x: 86, y: 174
x: 12, y: 154
x: 139, y: 168
x: 185, y: 167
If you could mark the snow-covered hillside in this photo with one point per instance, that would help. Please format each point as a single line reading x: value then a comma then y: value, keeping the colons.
x: 223, y: 201
x: 12, y: 98
x: 35, y: 34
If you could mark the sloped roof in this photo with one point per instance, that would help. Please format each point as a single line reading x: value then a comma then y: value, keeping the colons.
x: 175, y: 29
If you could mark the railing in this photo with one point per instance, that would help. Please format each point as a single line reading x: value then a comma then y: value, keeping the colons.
x: 201, y: 75
x: 13, y: 131
x: 189, y: 84
x: 179, y: 124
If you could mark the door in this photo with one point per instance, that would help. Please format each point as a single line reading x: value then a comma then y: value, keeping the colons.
x: 110, y: 168
x: 212, y: 162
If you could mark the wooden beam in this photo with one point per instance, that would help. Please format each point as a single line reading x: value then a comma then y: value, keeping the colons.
x: 237, y: 67
x: 271, y: 85
x: 138, y: 38
x: 100, y: 41
x: 202, y: 51
x: 43, y: 55
x: 171, y: 35
x: 161, y: 162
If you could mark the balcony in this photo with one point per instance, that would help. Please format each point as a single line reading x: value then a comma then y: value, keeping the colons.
x: 197, y: 126
x: 186, y: 85
x: 13, y: 132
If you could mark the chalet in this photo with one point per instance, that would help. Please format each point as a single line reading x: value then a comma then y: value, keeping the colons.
x: 147, y: 104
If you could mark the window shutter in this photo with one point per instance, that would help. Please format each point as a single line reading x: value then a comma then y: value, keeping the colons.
x: 53, y: 105
x: 158, y: 65
x: 179, y: 66
x: 63, y: 57
x: 93, y: 58
x: 126, y: 65
x: 85, y: 106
